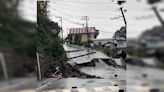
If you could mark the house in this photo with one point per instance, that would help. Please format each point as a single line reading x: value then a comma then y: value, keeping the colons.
x: 121, y: 43
x: 119, y: 38
x: 153, y: 38
x: 149, y: 43
x: 80, y: 36
x: 121, y: 33
x: 110, y: 43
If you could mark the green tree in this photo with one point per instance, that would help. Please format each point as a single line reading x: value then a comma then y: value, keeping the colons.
x: 16, y: 39
x: 48, y: 41
x: 77, y: 40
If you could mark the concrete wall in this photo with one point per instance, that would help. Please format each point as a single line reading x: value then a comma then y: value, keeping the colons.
x: 83, y: 37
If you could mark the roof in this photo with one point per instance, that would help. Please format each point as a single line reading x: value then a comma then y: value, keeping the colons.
x: 82, y: 30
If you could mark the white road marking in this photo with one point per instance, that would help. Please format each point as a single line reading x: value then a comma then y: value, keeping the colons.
x: 51, y: 91
x: 27, y: 90
x: 66, y: 90
x: 82, y: 90
x: 142, y: 89
x: 114, y: 88
x: 98, y: 89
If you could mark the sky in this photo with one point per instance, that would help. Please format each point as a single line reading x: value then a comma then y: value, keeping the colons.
x: 28, y: 10
x: 99, y: 12
x: 139, y: 15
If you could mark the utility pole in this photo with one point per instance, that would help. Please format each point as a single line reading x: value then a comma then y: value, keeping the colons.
x: 4, y: 68
x: 158, y: 15
x: 85, y: 18
x: 121, y: 8
x: 38, y: 65
x: 120, y: 3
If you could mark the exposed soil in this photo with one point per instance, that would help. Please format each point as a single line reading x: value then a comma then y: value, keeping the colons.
x: 73, y: 71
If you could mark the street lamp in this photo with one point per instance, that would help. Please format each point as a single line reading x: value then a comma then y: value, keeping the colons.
x: 61, y: 25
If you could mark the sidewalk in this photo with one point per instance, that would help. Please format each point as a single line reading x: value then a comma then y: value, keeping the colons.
x: 45, y: 83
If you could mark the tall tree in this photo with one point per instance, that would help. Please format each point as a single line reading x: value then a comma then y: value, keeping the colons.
x: 49, y: 44
x: 9, y: 7
x: 16, y: 39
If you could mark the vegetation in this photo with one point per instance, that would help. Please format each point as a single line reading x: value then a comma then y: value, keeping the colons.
x: 16, y: 40
x: 77, y: 40
x: 48, y: 43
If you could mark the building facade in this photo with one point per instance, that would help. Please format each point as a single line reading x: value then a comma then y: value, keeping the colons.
x: 120, y: 38
x: 80, y: 36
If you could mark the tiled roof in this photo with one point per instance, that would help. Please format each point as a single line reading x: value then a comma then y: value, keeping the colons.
x: 82, y: 30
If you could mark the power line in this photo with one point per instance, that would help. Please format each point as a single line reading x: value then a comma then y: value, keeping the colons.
x: 116, y: 17
x: 95, y: 11
x: 63, y: 6
x: 73, y: 22
x: 102, y: 34
x: 70, y: 20
x: 112, y: 25
x: 77, y: 17
x: 71, y: 16
x: 109, y: 13
x: 81, y: 24
x: 106, y: 32
x: 85, y: 2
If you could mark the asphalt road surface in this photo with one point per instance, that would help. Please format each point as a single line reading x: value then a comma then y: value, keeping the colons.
x: 134, y: 79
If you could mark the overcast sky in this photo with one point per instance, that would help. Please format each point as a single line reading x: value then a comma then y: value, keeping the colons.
x: 99, y: 12
x: 28, y: 10
x: 139, y: 15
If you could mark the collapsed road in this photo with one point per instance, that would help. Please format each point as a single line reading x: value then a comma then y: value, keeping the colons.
x: 89, y: 70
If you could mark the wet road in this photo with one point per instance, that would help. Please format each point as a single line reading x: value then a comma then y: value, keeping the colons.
x: 109, y: 83
x: 146, y: 78
x: 88, y: 84
x: 101, y: 68
x: 135, y: 79
x: 139, y: 75
x: 83, y: 51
